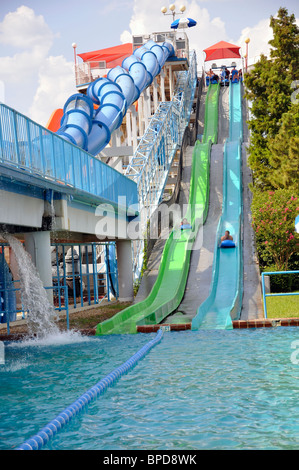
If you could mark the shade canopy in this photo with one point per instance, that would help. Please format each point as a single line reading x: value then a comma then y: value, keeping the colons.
x: 183, y: 23
x: 112, y: 55
x: 222, y: 50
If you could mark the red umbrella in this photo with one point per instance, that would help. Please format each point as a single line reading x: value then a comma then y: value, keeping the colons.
x: 222, y: 50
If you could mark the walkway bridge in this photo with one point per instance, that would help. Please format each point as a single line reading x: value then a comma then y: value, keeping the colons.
x: 42, y: 175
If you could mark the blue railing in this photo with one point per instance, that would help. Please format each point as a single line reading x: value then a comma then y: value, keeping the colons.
x: 90, y: 281
x: 281, y: 294
x: 32, y: 149
x: 83, y: 274
x: 6, y: 295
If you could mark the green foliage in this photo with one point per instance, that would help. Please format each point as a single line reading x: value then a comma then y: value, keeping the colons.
x: 284, y: 152
x: 273, y: 216
x: 274, y: 152
x: 269, y: 89
x: 285, y: 43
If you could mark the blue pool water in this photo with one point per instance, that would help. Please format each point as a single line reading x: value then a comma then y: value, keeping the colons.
x: 210, y: 389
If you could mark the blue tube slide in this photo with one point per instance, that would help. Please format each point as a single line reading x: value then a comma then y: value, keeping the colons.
x: 91, y: 130
x: 122, y: 78
x: 137, y: 70
x: 109, y: 115
x: 76, y: 120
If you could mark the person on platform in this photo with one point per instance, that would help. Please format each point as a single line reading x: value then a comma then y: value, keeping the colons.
x: 235, y: 75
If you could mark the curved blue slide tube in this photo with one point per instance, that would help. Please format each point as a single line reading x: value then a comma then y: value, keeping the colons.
x: 91, y: 130
x: 76, y: 120
x: 39, y: 440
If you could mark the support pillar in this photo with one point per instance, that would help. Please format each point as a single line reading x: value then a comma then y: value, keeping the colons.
x: 162, y: 86
x: 125, y: 270
x: 155, y: 94
x: 38, y: 245
x: 134, y: 128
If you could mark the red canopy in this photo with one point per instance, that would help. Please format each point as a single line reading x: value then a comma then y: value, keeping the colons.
x: 112, y: 55
x: 222, y: 50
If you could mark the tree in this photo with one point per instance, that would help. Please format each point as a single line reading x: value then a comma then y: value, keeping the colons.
x: 273, y: 216
x: 285, y: 43
x: 268, y: 88
x: 284, y: 152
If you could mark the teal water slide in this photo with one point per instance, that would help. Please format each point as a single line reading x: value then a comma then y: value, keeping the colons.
x: 224, y: 301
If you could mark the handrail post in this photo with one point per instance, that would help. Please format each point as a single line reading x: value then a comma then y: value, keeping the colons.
x: 264, y: 296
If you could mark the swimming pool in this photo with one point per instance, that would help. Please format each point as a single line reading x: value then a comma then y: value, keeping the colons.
x: 209, y: 389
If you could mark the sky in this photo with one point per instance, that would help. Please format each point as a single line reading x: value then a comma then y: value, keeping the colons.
x: 36, y: 37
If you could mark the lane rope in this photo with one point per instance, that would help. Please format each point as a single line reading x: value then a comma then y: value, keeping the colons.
x: 51, y: 429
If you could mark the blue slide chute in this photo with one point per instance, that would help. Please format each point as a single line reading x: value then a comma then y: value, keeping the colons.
x: 224, y: 302
x: 91, y: 129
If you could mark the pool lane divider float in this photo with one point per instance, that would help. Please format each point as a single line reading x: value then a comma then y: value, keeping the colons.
x: 51, y: 429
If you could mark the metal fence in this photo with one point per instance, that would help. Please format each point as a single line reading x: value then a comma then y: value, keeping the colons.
x: 83, y: 274
x: 89, y: 270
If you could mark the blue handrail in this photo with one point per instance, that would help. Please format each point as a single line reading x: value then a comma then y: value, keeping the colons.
x: 32, y: 149
x: 268, y: 273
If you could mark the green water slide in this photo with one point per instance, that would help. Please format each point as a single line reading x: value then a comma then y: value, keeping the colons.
x: 211, y: 114
x: 169, y: 287
x: 225, y: 297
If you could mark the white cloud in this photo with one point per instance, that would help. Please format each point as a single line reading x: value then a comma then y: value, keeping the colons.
x: 259, y: 36
x: 56, y: 82
x: 207, y: 31
x: 23, y: 29
x: 35, y: 83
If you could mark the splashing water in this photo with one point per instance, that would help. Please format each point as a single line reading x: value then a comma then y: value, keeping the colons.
x: 41, y: 313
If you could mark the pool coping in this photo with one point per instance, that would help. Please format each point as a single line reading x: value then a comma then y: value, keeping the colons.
x: 237, y: 324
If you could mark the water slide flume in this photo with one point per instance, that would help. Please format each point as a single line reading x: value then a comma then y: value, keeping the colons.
x: 91, y: 129
x: 168, y: 290
x: 225, y: 297
x: 211, y: 114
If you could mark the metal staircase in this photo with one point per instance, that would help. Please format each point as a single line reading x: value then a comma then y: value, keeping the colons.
x: 150, y: 165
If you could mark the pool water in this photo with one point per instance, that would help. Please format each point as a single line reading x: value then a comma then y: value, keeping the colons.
x: 209, y: 389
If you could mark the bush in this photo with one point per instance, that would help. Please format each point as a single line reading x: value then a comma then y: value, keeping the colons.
x: 273, y: 215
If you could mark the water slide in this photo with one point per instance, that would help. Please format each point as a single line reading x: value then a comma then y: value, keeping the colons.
x: 211, y: 114
x: 169, y: 286
x: 89, y: 120
x: 225, y: 297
